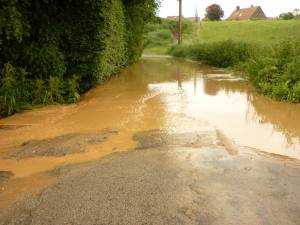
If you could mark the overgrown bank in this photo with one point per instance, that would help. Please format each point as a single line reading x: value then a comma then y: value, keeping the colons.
x: 273, y: 70
x: 51, y: 51
x: 273, y: 67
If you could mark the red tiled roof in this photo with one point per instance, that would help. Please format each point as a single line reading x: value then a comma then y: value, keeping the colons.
x: 244, y: 14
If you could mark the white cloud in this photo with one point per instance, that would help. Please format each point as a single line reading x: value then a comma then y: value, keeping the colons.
x: 272, y: 8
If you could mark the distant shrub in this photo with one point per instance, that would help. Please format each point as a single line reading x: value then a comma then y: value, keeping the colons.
x: 163, y: 32
x: 287, y: 16
x: 184, y: 51
x: 214, y: 12
x: 159, y: 38
x: 221, y: 54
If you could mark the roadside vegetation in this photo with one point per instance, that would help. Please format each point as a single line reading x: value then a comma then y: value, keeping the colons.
x: 51, y: 51
x: 266, y: 52
x: 162, y: 34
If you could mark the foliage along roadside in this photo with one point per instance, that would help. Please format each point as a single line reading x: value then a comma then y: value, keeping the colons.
x: 52, y: 50
x: 274, y: 68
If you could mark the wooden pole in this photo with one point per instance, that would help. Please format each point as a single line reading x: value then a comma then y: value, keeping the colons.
x: 180, y: 23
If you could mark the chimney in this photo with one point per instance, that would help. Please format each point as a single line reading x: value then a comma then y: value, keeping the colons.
x: 238, y: 8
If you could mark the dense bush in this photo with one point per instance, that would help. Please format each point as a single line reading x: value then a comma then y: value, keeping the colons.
x: 276, y: 72
x: 220, y: 54
x: 287, y: 16
x: 43, y: 43
x: 138, y: 13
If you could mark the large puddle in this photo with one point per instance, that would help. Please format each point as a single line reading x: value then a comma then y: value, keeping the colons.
x: 156, y: 94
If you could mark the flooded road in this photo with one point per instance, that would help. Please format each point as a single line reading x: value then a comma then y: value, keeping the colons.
x: 157, y: 102
x: 168, y: 94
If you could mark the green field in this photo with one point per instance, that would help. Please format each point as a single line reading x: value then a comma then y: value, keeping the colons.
x: 262, y: 32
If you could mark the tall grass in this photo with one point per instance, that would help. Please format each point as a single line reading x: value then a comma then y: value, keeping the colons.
x: 273, y: 70
x: 221, y: 54
x: 17, y: 92
x: 276, y: 73
x: 9, y: 95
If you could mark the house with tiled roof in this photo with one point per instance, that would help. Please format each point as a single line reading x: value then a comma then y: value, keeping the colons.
x: 251, y: 13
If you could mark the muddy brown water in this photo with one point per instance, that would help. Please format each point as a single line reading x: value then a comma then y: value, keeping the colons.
x: 171, y: 95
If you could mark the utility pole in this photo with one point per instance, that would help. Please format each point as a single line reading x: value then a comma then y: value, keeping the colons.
x: 196, y: 15
x: 180, y: 23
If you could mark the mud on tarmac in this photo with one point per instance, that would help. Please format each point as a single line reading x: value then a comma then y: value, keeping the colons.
x: 58, y: 146
x: 172, y: 181
x: 5, y: 175
x: 162, y: 139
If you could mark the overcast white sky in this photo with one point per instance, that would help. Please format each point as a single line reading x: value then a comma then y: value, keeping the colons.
x: 272, y: 8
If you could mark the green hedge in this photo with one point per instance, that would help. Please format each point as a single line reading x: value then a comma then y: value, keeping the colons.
x: 221, y: 54
x: 276, y: 71
x: 52, y: 50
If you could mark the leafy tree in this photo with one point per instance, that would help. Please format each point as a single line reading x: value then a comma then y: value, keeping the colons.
x: 214, y: 12
x: 287, y: 16
x: 296, y: 13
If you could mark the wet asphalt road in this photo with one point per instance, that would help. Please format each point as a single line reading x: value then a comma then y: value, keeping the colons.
x: 167, y: 183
